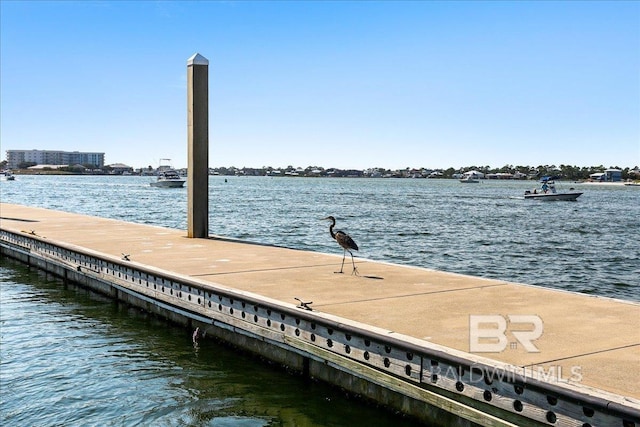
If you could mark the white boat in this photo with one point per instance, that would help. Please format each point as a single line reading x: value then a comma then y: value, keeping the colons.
x: 469, y: 179
x: 168, y: 178
x: 548, y: 192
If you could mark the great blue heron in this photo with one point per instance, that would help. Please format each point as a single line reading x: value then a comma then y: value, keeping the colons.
x: 345, y: 241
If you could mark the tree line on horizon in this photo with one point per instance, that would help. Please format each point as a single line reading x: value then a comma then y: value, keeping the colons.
x: 563, y: 171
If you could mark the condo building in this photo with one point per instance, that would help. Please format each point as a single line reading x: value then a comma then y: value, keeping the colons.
x: 51, y: 157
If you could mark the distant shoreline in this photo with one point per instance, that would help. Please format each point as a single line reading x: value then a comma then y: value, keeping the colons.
x: 516, y: 173
x: 617, y: 183
x: 66, y: 173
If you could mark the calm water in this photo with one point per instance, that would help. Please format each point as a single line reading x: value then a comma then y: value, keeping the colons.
x: 69, y: 357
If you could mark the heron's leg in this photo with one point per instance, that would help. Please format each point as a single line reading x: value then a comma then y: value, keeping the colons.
x: 342, y: 266
x: 355, y: 269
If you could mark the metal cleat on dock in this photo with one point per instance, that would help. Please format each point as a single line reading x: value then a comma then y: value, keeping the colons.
x: 125, y: 257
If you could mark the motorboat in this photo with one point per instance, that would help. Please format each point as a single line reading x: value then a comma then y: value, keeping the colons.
x: 469, y: 179
x: 8, y: 176
x: 168, y: 178
x: 548, y: 192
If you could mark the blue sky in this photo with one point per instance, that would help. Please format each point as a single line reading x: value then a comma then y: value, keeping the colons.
x: 333, y: 84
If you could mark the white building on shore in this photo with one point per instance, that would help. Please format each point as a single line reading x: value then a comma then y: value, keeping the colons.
x: 52, y: 157
x: 609, y: 175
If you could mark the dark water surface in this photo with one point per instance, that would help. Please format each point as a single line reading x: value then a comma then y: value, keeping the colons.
x: 70, y: 357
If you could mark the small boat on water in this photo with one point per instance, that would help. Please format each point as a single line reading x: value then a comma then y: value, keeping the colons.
x: 168, y: 179
x: 8, y: 176
x: 469, y: 179
x: 548, y: 192
x: 167, y: 176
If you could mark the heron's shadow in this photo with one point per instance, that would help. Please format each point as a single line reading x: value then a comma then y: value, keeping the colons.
x: 373, y: 277
x: 18, y: 219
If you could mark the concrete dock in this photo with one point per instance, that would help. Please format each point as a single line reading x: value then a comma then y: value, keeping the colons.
x: 556, y: 358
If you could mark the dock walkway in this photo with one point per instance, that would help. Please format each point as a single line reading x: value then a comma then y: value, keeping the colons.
x: 590, y: 345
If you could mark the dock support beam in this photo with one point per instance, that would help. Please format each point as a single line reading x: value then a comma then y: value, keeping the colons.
x: 198, y: 146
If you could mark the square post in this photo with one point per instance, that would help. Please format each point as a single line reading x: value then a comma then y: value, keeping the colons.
x: 198, y: 147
